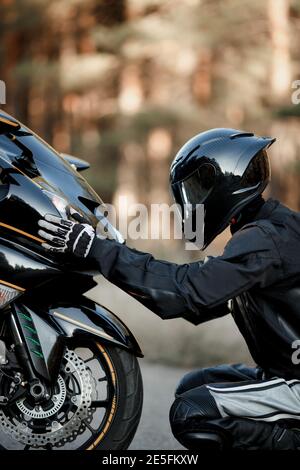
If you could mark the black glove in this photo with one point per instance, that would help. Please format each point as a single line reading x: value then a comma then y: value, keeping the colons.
x: 66, y: 236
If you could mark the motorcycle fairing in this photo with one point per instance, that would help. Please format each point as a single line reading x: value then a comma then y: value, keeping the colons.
x: 30, y: 165
x: 47, y: 331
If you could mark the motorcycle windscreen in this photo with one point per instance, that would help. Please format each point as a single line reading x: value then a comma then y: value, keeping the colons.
x: 50, y: 170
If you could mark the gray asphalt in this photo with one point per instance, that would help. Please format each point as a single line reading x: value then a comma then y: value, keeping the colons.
x: 154, y: 431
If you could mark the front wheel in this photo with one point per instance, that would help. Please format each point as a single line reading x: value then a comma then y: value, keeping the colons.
x: 95, y: 404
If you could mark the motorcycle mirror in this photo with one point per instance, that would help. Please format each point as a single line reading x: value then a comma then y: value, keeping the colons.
x: 7, y: 124
x: 75, y: 162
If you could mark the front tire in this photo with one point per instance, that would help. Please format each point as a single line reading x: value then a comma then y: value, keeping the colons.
x: 127, y: 406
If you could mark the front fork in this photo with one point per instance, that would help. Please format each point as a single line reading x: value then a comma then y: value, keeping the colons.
x: 37, y: 389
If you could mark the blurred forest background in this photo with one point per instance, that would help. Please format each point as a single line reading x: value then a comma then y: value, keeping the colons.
x: 123, y: 83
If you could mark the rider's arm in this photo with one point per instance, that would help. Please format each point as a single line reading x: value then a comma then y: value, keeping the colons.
x: 197, y: 291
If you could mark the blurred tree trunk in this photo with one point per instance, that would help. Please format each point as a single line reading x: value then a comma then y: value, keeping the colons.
x: 202, y: 82
x: 285, y: 181
x: 130, y: 169
x: 17, y: 92
x: 278, y: 11
x: 285, y: 161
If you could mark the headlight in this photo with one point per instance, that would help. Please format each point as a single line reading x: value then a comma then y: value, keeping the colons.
x: 7, y: 294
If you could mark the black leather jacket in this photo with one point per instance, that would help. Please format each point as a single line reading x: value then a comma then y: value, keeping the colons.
x: 259, y: 270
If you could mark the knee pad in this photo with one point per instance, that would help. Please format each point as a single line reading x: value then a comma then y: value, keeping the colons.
x: 196, y: 403
x: 188, y: 418
x: 203, y: 440
x: 190, y: 380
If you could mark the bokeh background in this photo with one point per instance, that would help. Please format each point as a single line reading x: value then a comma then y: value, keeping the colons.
x: 123, y: 84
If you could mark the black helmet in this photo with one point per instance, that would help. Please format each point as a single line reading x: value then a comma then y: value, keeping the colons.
x: 223, y: 169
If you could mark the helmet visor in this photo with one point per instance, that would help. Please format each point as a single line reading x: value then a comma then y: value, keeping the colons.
x: 196, y: 187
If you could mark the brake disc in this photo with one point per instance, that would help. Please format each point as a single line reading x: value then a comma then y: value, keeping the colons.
x: 57, y: 432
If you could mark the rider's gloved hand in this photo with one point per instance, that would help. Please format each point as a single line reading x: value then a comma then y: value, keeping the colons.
x: 65, y: 236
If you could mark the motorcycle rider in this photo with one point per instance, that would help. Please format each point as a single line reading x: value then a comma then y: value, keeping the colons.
x: 232, y: 406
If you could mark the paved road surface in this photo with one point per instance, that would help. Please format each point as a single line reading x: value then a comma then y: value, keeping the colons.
x: 159, y: 384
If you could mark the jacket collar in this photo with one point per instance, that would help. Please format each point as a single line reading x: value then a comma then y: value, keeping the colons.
x: 259, y: 210
x: 266, y: 209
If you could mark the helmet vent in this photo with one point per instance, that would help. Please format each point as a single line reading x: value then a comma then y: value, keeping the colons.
x: 192, y: 151
x: 241, y: 134
x: 178, y: 162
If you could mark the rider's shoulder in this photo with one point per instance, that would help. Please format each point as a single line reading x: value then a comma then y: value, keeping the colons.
x: 254, y: 238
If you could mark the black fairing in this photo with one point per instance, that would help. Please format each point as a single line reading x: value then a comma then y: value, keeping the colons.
x: 24, y: 268
x: 31, y: 173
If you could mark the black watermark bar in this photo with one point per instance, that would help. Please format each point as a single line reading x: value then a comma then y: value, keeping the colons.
x: 138, y: 458
x: 107, y: 459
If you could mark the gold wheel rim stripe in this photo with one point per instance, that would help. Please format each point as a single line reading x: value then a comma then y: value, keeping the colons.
x: 114, y: 401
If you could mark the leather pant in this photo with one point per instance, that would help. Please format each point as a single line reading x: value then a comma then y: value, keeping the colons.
x: 199, y: 419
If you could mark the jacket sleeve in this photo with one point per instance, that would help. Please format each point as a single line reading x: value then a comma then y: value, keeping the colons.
x: 198, y: 291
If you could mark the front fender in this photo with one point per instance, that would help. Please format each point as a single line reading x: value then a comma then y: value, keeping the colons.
x: 91, y: 319
x: 46, y: 330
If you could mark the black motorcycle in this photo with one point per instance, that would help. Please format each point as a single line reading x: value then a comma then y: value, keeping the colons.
x: 69, y: 375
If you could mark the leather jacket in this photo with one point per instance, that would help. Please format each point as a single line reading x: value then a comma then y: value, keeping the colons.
x: 259, y: 271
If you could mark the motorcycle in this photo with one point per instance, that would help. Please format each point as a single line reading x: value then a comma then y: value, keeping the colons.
x: 69, y: 374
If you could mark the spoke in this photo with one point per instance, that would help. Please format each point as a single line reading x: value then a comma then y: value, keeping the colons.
x: 103, y: 379
x: 99, y: 404
x: 93, y: 431
x: 89, y: 359
x: 27, y: 447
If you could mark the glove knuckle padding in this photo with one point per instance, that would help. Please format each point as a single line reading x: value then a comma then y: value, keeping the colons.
x: 66, y: 236
x: 74, y: 234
